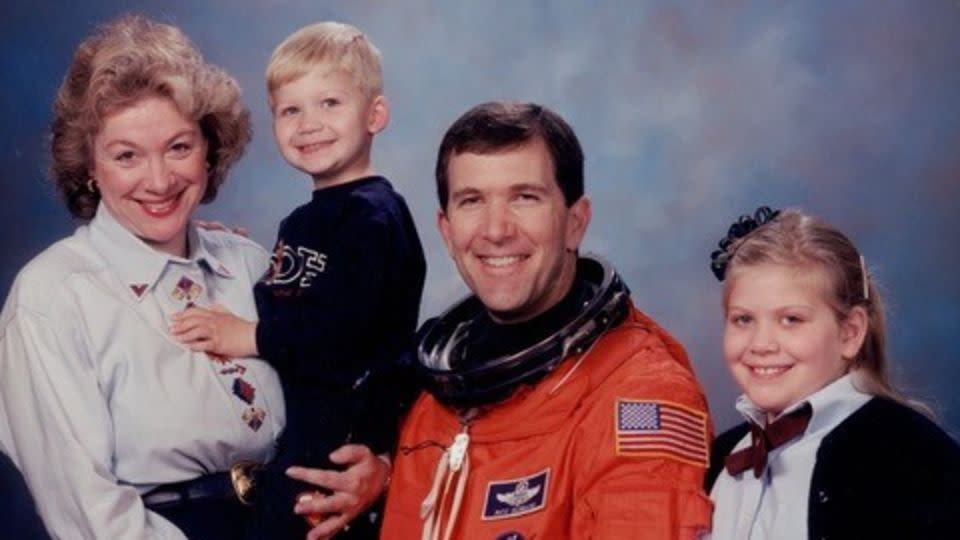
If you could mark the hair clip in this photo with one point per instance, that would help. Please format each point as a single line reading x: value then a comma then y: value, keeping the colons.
x: 745, y: 225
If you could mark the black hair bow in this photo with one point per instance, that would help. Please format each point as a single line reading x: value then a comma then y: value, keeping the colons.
x: 740, y: 228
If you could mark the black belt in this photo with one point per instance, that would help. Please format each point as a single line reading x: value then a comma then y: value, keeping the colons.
x: 237, y: 483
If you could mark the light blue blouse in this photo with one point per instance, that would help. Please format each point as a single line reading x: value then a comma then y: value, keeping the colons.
x: 774, y: 506
x: 98, y: 404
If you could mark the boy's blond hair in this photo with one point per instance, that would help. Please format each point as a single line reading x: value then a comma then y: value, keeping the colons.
x: 331, y: 44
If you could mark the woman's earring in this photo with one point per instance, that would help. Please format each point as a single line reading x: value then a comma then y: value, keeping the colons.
x: 92, y: 185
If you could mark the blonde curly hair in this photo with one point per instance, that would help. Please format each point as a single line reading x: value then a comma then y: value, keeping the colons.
x: 124, y: 61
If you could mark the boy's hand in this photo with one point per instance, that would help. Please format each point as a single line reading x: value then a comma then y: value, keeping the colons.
x: 215, y: 330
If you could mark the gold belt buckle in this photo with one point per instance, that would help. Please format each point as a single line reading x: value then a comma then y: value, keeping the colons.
x: 241, y: 476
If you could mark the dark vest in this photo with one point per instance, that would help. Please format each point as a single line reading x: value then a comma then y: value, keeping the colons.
x: 885, y: 472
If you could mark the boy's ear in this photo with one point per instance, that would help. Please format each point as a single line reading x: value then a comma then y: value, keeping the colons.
x: 379, y: 115
x: 853, y: 332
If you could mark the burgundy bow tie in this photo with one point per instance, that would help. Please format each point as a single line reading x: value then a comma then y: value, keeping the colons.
x: 764, y: 441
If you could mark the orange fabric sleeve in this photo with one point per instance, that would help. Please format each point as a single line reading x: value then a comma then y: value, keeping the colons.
x: 644, y: 494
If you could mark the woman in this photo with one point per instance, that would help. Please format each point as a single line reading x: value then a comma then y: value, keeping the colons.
x: 121, y: 432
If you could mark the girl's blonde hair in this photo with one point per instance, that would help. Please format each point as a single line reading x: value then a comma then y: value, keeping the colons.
x: 795, y: 239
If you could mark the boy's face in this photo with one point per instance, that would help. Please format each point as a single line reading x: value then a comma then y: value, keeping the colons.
x: 324, y: 124
x: 509, y: 230
x: 781, y: 340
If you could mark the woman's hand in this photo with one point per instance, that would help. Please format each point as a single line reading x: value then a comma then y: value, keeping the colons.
x: 353, y: 490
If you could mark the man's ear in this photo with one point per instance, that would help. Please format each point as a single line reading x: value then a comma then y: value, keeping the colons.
x: 578, y: 217
x: 443, y: 225
x: 853, y: 332
x: 379, y: 115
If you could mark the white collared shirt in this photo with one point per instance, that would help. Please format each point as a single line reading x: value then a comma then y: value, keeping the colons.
x: 99, y: 404
x: 775, y: 506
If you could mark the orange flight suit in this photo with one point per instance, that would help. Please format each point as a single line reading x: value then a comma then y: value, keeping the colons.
x: 555, y: 462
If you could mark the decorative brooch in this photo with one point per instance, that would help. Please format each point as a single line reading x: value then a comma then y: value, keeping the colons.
x: 740, y: 228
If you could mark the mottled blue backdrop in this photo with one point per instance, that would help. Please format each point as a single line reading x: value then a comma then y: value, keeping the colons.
x: 689, y: 112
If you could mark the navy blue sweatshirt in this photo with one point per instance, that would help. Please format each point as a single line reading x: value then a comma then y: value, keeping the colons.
x: 338, y: 313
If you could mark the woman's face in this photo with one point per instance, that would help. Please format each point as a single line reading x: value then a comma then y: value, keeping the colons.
x: 149, y: 162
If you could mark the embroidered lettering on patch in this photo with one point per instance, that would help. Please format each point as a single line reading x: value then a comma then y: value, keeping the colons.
x: 661, y: 429
x: 516, y: 497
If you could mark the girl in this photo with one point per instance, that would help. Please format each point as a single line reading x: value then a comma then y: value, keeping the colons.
x: 830, y: 449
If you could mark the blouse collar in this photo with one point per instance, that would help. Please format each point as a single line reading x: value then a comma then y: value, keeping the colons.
x: 140, y: 266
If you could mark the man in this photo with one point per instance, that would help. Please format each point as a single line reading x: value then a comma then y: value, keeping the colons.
x: 554, y: 409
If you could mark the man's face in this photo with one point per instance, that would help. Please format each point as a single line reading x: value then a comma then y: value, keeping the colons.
x: 509, y: 230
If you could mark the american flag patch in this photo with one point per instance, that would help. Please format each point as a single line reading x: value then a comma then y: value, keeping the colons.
x: 661, y: 429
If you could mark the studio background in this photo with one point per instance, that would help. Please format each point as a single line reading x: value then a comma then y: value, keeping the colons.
x: 690, y: 113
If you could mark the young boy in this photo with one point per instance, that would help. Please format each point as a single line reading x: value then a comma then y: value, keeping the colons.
x: 339, y: 308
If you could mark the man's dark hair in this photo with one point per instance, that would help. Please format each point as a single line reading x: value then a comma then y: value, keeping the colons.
x: 496, y: 126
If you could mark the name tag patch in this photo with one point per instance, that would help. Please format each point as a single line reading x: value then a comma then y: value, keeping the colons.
x: 516, y: 497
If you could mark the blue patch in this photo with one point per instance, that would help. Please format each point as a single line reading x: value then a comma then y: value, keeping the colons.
x: 510, y: 535
x: 516, y: 497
